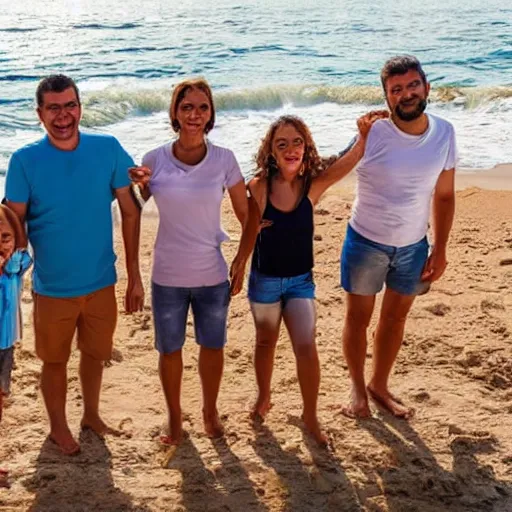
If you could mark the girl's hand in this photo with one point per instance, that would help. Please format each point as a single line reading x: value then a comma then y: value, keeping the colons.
x: 236, y: 276
x: 140, y: 176
x: 364, y: 123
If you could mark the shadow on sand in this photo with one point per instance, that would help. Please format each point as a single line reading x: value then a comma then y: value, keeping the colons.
x: 321, y: 485
x: 414, y: 480
x: 228, y: 487
x: 78, y: 483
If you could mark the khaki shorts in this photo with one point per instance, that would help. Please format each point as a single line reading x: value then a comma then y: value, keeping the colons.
x: 93, y: 316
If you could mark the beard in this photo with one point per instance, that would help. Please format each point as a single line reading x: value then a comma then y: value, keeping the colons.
x: 411, y: 115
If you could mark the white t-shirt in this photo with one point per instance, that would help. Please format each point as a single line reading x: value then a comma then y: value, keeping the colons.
x: 396, y: 178
x: 188, y: 197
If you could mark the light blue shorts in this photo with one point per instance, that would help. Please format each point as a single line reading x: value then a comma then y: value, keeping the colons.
x: 170, y: 311
x: 269, y: 289
x: 367, y: 265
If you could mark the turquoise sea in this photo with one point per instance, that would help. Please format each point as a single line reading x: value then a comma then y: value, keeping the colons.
x: 318, y: 59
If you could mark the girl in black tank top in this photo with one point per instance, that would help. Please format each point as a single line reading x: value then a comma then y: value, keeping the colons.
x: 285, y: 247
x: 291, y: 178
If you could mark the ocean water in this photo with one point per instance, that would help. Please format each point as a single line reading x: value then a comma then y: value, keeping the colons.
x: 318, y: 59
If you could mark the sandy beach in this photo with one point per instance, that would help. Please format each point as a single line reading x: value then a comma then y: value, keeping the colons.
x: 455, y: 368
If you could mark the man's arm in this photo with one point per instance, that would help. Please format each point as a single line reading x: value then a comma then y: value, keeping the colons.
x: 443, y: 214
x: 20, y: 209
x: 130, y: 215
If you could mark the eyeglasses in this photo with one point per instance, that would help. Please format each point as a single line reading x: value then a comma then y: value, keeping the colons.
x: 55, y: 108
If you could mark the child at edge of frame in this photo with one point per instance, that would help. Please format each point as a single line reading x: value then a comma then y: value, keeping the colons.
x: 14, y: 262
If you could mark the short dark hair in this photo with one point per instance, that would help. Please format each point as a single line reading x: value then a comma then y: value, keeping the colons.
x: 179, y: 93
x: 400, y: 65
x: 54, y: 83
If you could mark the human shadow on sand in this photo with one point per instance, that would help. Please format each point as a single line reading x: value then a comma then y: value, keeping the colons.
x: 414, y: 480
x: 78, y: 483
x: 226, y: 488
x: 319, y: 486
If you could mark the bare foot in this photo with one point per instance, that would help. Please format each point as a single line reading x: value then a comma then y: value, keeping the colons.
x: 170, y: 441
x: 391, y: 403
x: 212, y: 425
x: 314, y: 429
x: 99, y: 427
x: 260, y: 409
x: 175, y: 431
x: 65, y: 441
x: 358, y: 406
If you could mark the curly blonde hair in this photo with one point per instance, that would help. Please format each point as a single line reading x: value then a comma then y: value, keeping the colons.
x: 266, y: 165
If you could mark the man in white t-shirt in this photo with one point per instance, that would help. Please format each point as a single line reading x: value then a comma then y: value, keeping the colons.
x: 409, y: 164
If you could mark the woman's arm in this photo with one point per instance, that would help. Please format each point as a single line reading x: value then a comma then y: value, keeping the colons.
x: 250, y: 231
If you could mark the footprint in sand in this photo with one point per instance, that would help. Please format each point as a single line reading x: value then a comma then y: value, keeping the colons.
x: 487, y: 306
x: 438, y: 309
x: 420, y: 397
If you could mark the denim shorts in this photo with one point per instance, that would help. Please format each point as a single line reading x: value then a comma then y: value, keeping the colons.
x: 170, y: 311
x: 367, y: 265
x: 6, y: 364
x: 269, y: 289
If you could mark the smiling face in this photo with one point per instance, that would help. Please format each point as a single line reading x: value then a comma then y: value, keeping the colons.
x: 407, y: 95
x: 288, y: 147
x: 194, y: 112
x: 7, y: 240
x: 60, y: 114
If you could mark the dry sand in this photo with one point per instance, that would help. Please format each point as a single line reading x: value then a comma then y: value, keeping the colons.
x: 455, y: 368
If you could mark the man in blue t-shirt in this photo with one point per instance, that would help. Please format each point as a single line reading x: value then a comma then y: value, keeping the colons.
x: 63, y: 187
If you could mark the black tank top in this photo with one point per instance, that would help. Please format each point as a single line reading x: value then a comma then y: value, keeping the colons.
x: 285, y: 249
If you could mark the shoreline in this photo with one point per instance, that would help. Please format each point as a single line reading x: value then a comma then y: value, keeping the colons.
x: 498, y: 177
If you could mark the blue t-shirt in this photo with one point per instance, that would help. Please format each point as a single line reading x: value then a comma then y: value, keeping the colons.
x: 69, y: 196
x: 11, y: 282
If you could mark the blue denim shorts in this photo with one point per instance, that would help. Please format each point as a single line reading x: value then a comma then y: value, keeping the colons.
x: 170, y: 311
x: 367, y: 265
x: 269, y: 289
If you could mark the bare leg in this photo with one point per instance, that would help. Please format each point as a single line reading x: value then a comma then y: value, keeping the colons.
x: 300, y: 318
x: 358, y: 314
x: 211, y: 364
x: 171, y: 371
x: 4, y: 475
x: 54, y: 388
x: 388, y: 340
x: 267, y: 321
x: 91, y: 375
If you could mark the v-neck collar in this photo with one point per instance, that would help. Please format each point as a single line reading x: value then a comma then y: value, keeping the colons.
x: 184, y: 168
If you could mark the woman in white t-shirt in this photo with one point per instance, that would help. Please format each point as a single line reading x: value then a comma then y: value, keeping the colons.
x: 187, y: 178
